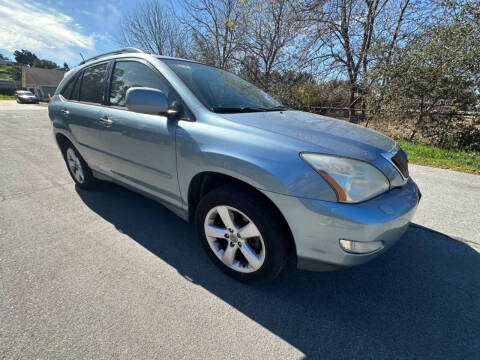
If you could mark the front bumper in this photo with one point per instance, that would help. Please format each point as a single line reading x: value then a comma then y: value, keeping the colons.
x: 317, y: 226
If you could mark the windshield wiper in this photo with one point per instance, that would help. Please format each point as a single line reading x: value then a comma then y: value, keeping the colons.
x: 221, y: 109
x: 277, y: 108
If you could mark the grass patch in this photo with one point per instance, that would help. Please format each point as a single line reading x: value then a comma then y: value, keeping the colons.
x: 13, y: 72
x: 7, y: 97
x: 4, y: 73
x: 467, y: 161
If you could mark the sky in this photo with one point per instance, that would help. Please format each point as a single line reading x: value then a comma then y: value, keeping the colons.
x: 60, y: 30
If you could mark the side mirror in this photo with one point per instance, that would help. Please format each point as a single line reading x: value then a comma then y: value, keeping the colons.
x: 146, y: 101
x: 175, y: 110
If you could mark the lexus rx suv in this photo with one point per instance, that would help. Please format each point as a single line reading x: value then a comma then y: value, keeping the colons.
x: 257, y: 179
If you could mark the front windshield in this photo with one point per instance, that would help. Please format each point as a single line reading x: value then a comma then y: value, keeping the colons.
x: 221, y: 91
x: 24, y: 93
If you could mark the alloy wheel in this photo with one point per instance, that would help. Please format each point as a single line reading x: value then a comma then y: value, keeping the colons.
x: 75, y: 165
x: 235, y: 239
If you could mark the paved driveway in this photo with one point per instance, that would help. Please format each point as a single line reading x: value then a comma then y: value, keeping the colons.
x: 451, y: 203
x: 110, y: 274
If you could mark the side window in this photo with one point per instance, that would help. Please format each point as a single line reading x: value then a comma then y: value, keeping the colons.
x: 127, y: 74
x: 93, y: 82
x: 76, y: 87
x: 67, y: 90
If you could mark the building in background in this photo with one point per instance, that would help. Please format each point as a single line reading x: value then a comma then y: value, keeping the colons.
x: 6, y: 62
x: 41, y: 82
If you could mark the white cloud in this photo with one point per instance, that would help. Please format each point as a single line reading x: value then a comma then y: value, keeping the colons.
x: 27, y: 25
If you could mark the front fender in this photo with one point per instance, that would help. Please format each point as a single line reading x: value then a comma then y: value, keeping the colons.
x: 265, y: 161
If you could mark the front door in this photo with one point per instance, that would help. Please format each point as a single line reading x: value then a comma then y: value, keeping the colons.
x: 141, y: 146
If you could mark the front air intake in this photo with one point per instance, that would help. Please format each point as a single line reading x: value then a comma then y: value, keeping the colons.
x: 400, y: 160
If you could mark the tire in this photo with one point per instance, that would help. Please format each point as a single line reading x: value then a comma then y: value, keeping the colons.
x: 77, y: 167
x: 242, y: 206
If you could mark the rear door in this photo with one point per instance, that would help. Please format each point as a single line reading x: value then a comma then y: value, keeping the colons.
x: 85, y: 110
x: 142, y: 145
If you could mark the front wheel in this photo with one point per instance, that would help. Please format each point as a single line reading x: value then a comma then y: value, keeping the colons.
x: 242, y: 234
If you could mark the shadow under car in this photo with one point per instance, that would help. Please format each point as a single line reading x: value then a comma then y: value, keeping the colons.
x: 421, y: 299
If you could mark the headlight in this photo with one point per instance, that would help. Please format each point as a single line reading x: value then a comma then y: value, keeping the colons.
x: 352, y: 180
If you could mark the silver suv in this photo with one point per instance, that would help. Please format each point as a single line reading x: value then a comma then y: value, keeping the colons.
x: 259, y: 180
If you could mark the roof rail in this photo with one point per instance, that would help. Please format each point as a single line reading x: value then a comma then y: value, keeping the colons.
x: 114, y: 52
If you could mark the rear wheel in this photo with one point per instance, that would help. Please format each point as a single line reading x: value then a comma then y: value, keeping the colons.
x: 77, y: 167
x: 242, y: 234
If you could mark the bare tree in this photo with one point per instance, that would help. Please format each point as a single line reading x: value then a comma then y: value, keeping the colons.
x: 152, y: 27
x: 214, y: 28
x: 346, y: 36
x: 343, y: 36
x: 270, y: 29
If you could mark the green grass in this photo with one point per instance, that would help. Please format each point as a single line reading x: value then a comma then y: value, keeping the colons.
x: 467, y: 161
x: 4, y: 74
x: 7, y: 97
x: 10, y: 72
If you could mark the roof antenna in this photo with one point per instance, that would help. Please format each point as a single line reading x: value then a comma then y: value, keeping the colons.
x: 83, y: 59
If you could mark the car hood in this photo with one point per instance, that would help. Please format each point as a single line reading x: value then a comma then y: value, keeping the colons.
x: 328, y: 135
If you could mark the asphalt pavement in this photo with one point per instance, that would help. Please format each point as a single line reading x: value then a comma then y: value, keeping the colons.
x: 109, y: 274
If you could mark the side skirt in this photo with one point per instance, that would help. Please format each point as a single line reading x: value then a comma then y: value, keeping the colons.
x: 181, y: 213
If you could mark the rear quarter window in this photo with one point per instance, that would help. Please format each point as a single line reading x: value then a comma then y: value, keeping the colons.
x: 76, y: 87
x: 93, y: 84
x: 67, y: 89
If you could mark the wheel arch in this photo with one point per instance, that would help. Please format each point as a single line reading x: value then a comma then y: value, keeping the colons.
x: 61, y: 140
x: 206, y: 181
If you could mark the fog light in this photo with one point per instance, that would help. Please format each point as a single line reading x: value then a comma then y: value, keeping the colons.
x: 360, y: 247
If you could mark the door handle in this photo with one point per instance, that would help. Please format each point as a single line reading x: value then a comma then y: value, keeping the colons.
x: 105, y: 120
x: 64, y: 112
